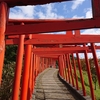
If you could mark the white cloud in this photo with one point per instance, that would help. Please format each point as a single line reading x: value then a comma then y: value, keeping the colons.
x: 49, y: 12
x: 65, y: 8
x: 76, y: 3
x: 29, y: 12
x: 97, y: 44
x: 90, y: 55
x: 75, y: 16
x: 98, y: 54
x: 82, y: 56
x: 88, y: 13
x: 24, y: 12
x: 91, y: 31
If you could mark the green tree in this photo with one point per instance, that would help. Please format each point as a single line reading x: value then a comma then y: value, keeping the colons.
x: 8, y: 73
x: 10, y: 54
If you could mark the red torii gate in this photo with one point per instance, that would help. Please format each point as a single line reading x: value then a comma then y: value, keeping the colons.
x: 27, y: 27
x: 50, y: 39
x: 59, y: 51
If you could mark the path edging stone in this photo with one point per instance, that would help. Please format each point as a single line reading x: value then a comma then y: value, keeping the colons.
x: 77, y: 93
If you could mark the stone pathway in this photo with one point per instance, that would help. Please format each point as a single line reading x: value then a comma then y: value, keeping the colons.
x: 49, y: 87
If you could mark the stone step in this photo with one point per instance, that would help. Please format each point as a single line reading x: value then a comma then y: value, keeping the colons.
x: 49, y: 87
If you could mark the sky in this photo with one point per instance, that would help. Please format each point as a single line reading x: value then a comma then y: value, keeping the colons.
x: 59, y: 10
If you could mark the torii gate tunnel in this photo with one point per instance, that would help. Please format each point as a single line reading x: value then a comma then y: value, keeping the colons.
x: 43, y: 50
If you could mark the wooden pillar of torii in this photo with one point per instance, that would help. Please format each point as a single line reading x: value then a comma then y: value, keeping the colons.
x: 3, y: 20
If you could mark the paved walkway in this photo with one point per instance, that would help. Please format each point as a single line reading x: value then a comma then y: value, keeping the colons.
x: 49, y: 87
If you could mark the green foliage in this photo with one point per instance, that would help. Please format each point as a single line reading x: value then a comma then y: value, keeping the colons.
x: 86, y: 80
x: 10, y: 54
x: 93, y: 71
x: 94, y: 78
x: 83, y: 65
x: 87, y: 86
x: 8, y: 73
x: 7, y: 82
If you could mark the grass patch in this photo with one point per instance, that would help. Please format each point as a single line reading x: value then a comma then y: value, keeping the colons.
x: 97, y: 91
